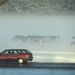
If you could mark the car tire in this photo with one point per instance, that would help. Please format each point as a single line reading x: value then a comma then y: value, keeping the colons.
x: 20, y: 61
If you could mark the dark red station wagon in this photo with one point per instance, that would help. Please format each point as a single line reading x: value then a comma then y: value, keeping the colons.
x: 16, y: 55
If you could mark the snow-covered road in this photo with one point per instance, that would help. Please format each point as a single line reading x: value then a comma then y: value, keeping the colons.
x: 10, y: 71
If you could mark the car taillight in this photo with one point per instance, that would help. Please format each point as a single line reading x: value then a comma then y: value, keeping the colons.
x: 27, y: 56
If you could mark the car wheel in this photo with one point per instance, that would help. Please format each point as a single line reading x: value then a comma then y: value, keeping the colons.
x: 20, y: 61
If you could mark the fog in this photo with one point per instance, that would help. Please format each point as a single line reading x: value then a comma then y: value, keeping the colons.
x: 58, y: 51
x: 62, y: 26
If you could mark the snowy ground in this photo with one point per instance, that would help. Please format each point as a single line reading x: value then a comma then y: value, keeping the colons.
x: 54, y: 52
x: 13, y: 71
x: 49, y: 52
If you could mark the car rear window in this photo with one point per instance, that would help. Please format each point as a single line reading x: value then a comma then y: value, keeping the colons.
x: 28, y: 51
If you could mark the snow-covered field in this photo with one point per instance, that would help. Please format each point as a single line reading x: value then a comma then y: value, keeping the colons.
x: 60, y: 51
x: 54, y: 52
x: 12, y: 71
x: 63, y: 26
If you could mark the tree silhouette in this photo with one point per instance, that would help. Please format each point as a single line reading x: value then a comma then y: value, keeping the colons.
x: 2, y: 2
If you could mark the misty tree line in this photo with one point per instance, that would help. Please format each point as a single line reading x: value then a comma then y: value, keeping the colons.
x: 36, y: 39
x: 73, y: 43
x: 39, y: 39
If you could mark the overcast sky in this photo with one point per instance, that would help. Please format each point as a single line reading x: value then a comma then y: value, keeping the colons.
x: 45, y: 26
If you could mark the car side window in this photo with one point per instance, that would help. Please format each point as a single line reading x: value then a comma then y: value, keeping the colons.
x: 4, y: 52
x: 19, y: 51
x: 10, y: 52
x: 23, y: 51
x: 15, y: 52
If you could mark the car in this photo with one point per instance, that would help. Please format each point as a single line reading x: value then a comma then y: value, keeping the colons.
x: 16, y: 55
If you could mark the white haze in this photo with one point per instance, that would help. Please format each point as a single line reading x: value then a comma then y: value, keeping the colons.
x: 60, y: 51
